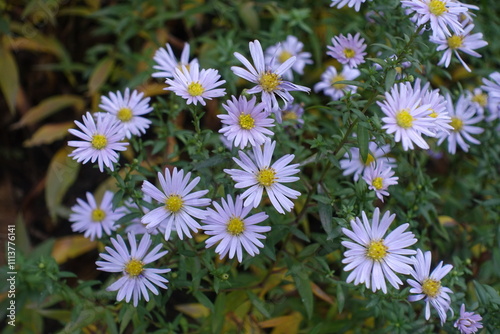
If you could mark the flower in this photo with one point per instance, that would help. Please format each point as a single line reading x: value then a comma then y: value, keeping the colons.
x: 353, y: 164
x: 294, y: 112
x: 195, y: 85
x: 429, y: 286
x: 492, y: 86
x: 246, y: 122
x: 166, y: 62
x: 136, y: 279
x: 268, y: 79
x: 465, y: 42
x: 92, y: 218
x: 478, y: 99
x: 259, y: 174
x: 127, y: 110
x: 463, y: 115
x: 235, y: 232
x: 406, y: 117
x: 350, y: 3
x: 348, y: 50
x: 379, y: 177
x: 281, y: 52
x: 179, y: 204
x: 135, y: 224
x: 336, y: 90
x: 373, y: 259
x: 468, y: 322
x: 101, y: 140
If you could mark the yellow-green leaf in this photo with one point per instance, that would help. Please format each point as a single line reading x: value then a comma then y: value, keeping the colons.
x: 9, y: 78
x: 39, y: 43
x: 194, y: 310
x: 69, y: 247
x: 288, y: 324
x: 49, y: 133
x: 100, y: 74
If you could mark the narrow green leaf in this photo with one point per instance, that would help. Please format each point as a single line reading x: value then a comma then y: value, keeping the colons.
x: 100, y: 74
x: 363, y: 138
x: 304, y: 288
x: 259, y: 304
x: 9, y: 80
x: 204, y: 300
x: 390, y: 78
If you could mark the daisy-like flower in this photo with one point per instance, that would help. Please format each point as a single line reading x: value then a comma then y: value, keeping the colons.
x: 230, y: 225
x: 100, y: 140
x: 349, y: 3
x: 379, y: 177
x: 353, y: 164
x: 281, y: 52
x: 465, y: 42
x: 259, y: 174
x: 463, y: 115
x: 128, y: 109
x: 428, y: 286
x: 136, y: 279
x: 195, y: 85
x: 374, y: 259
x: 166, y: 62
x: 336, y: 90
x: 93, y: 219
x: 406, y: 117
x: 179, y: 204
x: 468, y: 322
x: 246, y: 122
x: 492, y: 86
x: 136, y: 226
x: 348, y: 50
x: 294, y: 112
x: 478, y: 99
x: 268, y: 79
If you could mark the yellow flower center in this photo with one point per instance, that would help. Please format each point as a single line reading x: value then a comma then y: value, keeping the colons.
x: 481, y: 99
x: 378, y: 183
x: 376, y: 250
x: 98, y: 215
x: 455, y: 41
x: 269, y: 81
x: 180, y: 66
x: 246, y: 121
x: 99, y: 141
x: 457, y: 124
x: 369, y: 159
x: 433, y: 113
x: 404, y: 119
x: 290, y: 116
x: 336, y: 79
x: 134, y: 267
x: 173, y: 203
x: 124, y: 114
x: 235, y: 226
x: 431, y: 287
x: 266, y: 177
x: 349, y: 53
x: 195, y: 89
x: 437, y: 7
x: 284, y: 56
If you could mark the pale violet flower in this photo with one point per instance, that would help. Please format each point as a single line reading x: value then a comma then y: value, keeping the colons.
x: 352, y: 163
x: 135, y: 225
x: 478, y: 99
x: 348, y: 50
x: 258, y: 174
x: 136, y: 279
x: 492, y: 86
x: 229, y: 226
x: 281, y: 52
x: 428, y: 286
x: 166, y: 62
x: 468, y: 322
x: 374, y: 257
x: 329, y: 79
x: 349, y: 3
x: 293, y: 113
x: 379, y: 177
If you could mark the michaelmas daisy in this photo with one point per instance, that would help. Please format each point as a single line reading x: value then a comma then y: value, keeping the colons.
x: 329, y: 79
x: 281, y: 52
x: 468, y: 322
x: 350, y: 3
x: 166, y: 62
x: 379, y: 177
x: 353, y: 164
x: 348, y: 50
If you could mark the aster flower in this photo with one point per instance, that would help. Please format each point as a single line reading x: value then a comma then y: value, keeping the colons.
x: 353, y: 164
x: 478, y: 99
x: 166, y: 62
x: 468, y: 322
x: 127, y: 110
x: 179, y: 203
x: 350, y: 3
x: 259, y: 174
x: 294, y: 112
x: 379, y: 177
x: 463, y: 115
x: 281, y: 52
x: 336, y: 90
x: 93, y: 219
x: 406, y: 117
x: 229, y: 225
x: 136, y: 226
x: 465, y: 42
x: 374, y: 259
x: 246, y: 122
x: 348, y: 50
x: 268, y: 79
x: 136, y: 279
x: 100, y: 140
x: 428, y: 286
x: 492, y: 86
x: 195, y: 85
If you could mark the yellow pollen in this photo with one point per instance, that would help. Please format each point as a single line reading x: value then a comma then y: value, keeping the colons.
x: 181, y: 65
x: 173, y: 203
x: 378, y: 183
x: 195, y: 89
x: 235, y: 226
x: 481, y: 99
x: 431, y: 287
x: 457, y: 124
x: 266, y: 177
x: 269, y: 81
x: 246, y: 121
x: 290, y: 116
x: 98, y: 215
x: 404, y: 119
x: 134, y: 267
x: 455, y: 41
x: 336, y: 79
x: 349, y: 53
x: 284, y: 56
x: 376, y: 250
x: 99, y: 141
x: 433, y: 114
x: 437, y: 7
x: 124, y: 114
x: 369, y: 159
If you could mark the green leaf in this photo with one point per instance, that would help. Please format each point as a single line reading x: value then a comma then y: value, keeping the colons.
x: 363, y: 138
x: 390, y: 78
x: 340, y: 298
x: 304, y: 288
x: 100, y: 74
x: 200, y: 297
x: 259, y: 304
x: 9, y: 80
